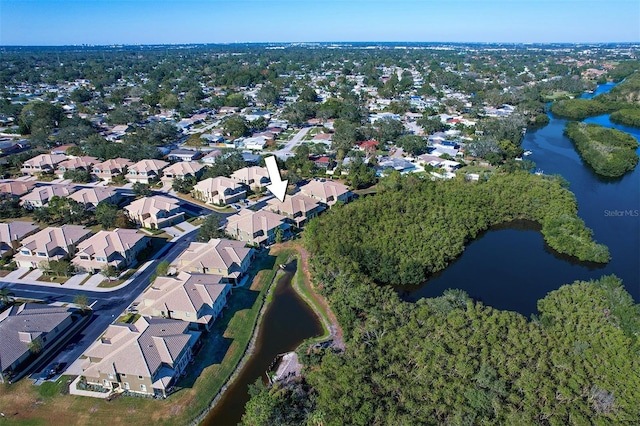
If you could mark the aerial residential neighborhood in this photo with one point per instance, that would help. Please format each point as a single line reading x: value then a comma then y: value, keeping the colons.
x: 143, y: 241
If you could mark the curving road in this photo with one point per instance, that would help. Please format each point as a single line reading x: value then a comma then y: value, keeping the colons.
x: 107, y: 306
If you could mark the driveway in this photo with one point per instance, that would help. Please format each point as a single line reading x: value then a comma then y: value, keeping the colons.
x: 107, y: 304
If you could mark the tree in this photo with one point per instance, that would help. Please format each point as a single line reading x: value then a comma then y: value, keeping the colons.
x: 183, y: 186
x: 308, y: 94
x: 10, y: 206
x: 235, y: 127
x: 82, y: 301
x: 35, y: 345
x: 431, y: 125
x: 279, y: 235
x: 210, y: 228
x: 389, y: 129
x: 81, y: 95
x: 413, y: 144
x: 78, y: 175
x: 123, y: 221
x: 141, y: 189
x: 58, y: 268
x: 6, y: 296
x: 268, y: 94
x: 163, y: 268
x: 106, y: 214
x: 110, y: 272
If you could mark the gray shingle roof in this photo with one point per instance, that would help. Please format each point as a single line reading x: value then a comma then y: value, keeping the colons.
x: 21, y: 324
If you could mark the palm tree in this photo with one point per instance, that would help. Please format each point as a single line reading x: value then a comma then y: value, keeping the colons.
x: 6, y: 296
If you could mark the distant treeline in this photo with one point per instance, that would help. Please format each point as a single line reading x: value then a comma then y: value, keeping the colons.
x: 624, y: 96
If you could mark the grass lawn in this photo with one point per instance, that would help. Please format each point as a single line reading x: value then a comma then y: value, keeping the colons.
x: 21, y: 219
x: 114, y: 283
x: 52, y: 279
x: 222, y: 350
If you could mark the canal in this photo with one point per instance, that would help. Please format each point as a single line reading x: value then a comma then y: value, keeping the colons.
x: 287, y: 322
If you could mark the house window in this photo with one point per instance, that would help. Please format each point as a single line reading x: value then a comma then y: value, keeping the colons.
x: 101, y: 259
x: 188, y: 314
x: 111, y: 376
x: 105, y: 382
x: 123, y: 375
x: 84, y: 257
x: 25, y: 252
x: 126, y: 385
x: 143, y: 388
x: 140, y: 377
x: 42, y: 254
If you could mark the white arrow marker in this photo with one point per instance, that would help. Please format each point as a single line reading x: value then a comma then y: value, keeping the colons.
x: 278, y: 187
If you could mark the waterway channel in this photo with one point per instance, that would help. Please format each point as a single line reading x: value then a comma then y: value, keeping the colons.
x: 510, y: 267
x: 287, y: 322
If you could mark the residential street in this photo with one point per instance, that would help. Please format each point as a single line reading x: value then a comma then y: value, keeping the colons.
x: 296, y: 140
x: 107, y: 306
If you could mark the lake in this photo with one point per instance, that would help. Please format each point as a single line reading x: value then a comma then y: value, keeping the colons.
x: 287, y: 322
x: 509, y: 267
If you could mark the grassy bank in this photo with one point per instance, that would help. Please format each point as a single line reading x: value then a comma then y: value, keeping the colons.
x: 222, y: 351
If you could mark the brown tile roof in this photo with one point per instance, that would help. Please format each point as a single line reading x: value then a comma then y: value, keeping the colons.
x: 152, y: 205
x: 16, y: 187
x: 139, y: 349
x: 195, y: 293
x: 93, y: 195
x: 218, y: 253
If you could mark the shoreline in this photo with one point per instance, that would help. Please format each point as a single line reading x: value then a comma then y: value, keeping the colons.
x: 248, y: 352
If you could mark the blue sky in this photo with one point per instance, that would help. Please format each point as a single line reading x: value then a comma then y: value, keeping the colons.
x: 60, y: 22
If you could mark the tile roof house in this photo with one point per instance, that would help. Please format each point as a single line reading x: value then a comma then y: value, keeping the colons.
x: 91, y: 197
x: 182, y: 170
x: 50, y: 244
x: 219, y: 190
x: 23, y: 324
x: 197, y: 298
x: 184, y: 155
x: 146, y: 171
x: 117, y: 248
x: 43, y: 163
x: 11, y: 233
x: 146, y: 357
x: 227, y: 258
x: 76, y: 163
x: 211, y: 157
x: 327, y: 191
x: 155, y: 212
x: 297, y: 208
x: 41, y: 195
x: 62, y: 149
x: 258, y: 228
x: 16, y: 188
x: 107, y: 170
x: 253, y: 176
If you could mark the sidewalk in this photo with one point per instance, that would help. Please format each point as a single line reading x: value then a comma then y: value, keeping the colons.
x: 92, y: 283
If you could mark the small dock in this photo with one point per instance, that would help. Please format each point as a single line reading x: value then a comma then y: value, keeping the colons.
x: 288, y: 367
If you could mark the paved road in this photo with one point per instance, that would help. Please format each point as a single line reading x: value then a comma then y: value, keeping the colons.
x: 296, y: 140
x: 107, y: 306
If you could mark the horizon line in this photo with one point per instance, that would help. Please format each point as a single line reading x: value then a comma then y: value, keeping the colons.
x: 322, y: 42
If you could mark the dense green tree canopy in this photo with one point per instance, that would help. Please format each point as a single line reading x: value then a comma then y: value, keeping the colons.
x: 609, y: 151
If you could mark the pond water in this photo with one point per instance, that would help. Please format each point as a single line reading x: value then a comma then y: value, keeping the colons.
x: 509, y: 267
x: 287, y: 322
